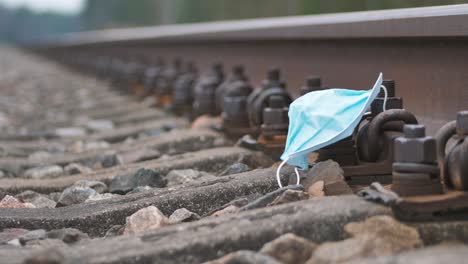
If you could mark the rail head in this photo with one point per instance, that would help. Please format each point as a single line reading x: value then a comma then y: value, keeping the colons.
x: 438, y: 21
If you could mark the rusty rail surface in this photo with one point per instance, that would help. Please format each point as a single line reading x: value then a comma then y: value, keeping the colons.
x: 422, y: 49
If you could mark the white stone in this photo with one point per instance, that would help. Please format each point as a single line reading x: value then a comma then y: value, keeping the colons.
x: 145, y: 219
x: 52, y: 171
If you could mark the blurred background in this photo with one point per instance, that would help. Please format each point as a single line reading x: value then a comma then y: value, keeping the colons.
x: 23, y: 21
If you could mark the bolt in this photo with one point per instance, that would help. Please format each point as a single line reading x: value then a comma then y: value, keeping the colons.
x: 274, y: 74
x: 462, y: 123
x: 238, y: 70
x: 390, y: 86
x: 392, y: 102
x: 314, y: 82
x: 414, y: 146
x: 276, y: 101
x: 415, y: 170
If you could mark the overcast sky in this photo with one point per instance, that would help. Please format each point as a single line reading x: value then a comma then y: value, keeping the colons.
x: 62, y: 6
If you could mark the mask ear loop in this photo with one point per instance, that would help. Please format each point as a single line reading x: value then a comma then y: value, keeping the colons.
x: 385, y: 97
x: 278, y: 178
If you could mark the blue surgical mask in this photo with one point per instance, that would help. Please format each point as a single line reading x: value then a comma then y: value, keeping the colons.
x: 321, y: 118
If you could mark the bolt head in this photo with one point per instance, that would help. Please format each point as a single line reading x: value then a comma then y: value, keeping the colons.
x: 414, y: 131
x: 276, y: 101
x: 415, y: 150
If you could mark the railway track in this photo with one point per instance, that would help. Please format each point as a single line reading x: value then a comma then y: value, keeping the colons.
x: 115, y: 154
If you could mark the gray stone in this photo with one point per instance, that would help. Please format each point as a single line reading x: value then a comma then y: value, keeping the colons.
x: 67, y: 235
x: 235, y: 168
x: 14, y: 242
x: 122, y: 184
x: 52, y: 171
x: 37, y: 199
x: 183, y: 215
x: 238, y: 203
x: 245, y: 257
x: 140, y: 189
x: 75, y: 195
x: 33, y: 235
x: 205, y: 178
x: 40, y: 156
x: 99, y: 197
x: 115, y: 230
x: 377, y: 193
x: 148, y: 218
x: 98, y: 186
x: 151, y: 133
x: 99, y: 125
x: 55, y: 196
x: 177, y: 177
x: 46, y: 243
x: 81, y: 146
x: 27, y: 196
x: 270, y: 197
x: 107, y: 159
x: 43, y: 202
x: 140, y: 154
x: 290, y: 196
x: 70, y: 132
x: 96, y: 145
x: 289, y: 249
x: 75, y: 168
x: 377, y: 236
x: 10, y: 234
x: 49, y: 256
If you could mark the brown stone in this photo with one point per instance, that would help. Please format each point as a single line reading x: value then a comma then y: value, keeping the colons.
x: 228, y: 210
x: 206, y: 121
x: 289, y: 249
x: 337, y: 188
x: 327, y: 171
x: 316, y: 189
x: 377, y: 236
x: 332, y: 176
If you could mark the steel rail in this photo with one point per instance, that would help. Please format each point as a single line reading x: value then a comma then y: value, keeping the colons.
x: 423, y: 49
x: 440, y: 21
